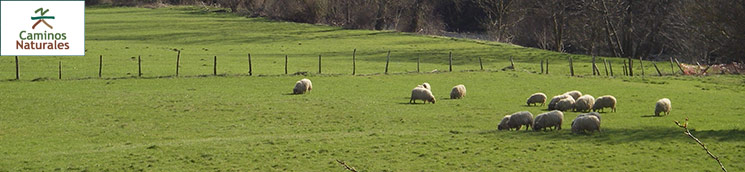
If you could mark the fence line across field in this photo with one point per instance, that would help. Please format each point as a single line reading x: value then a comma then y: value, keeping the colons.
x: 607, y: 64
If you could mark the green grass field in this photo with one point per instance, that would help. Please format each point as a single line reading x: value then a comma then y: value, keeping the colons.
x: 251, y: 123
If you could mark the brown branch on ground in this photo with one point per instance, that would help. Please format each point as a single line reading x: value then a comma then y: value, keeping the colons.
x: 346, y: 166
x: 688, y: 133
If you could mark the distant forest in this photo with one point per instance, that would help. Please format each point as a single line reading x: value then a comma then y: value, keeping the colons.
x: 703, y: 31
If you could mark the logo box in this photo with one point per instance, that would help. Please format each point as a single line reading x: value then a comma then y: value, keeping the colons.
x: 42, y: 28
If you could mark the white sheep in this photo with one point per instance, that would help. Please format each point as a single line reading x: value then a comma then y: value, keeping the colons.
x: 585, y: 123
x: 584, y: 103
x: 597, y: 115
x: 565, y: 104
x: 606, y: 101
x: 548, y: 120
x: 302, y: 86
x: 574, y: 93
x: 663, y: 105
x: 536, y: 98
x: 426, y: 85
x: 459, y: 91
x: 517, y: 120
x: 555, y: 99
x: 422, y: 94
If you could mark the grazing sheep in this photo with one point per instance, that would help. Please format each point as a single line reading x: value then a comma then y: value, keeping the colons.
x: 548, y: 120
x: 302, y: 86
x: 503, y: 124
x: 555, y: 99
x: 518, y: 119
x: 537, y: 98
x: 565, y: 104
x: 459, y: 91
x: 591, y: 114
x: 663, y: 105
x: 307, y: 83
x: 426, y: 85
x: 584, y: 103
x: 422, y: 94
x: 585, y: 123
x: 606, y: 101
x: 575, y: 94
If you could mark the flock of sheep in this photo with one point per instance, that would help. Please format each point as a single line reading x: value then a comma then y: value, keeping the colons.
x: 572, y: 100
x: 424, y: 92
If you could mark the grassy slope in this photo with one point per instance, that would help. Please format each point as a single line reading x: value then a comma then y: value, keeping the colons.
x: 250, y: 123
x: 122, y: 34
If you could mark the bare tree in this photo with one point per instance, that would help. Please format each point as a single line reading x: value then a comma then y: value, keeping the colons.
x: 501, y: 16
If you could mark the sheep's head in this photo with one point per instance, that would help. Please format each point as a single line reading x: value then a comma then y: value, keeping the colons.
x: 432, y: 100
x: 503, y: 125
x: 537, y: 127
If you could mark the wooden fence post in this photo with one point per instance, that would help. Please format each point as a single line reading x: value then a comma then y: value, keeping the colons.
x: 417, y: 64
x: 703, y: 72
x: 178, y: 60
x: 60, y: 69
x: 482, y: 64
x: 641, y: 64
x: 250, y: 69
x: 610, y: 65
x: 450, y: 57
x: 512, y: 64
x: 593, y: 65
x: 285, y: 64
x: 658, y: 69
x: 605, y: 66
x: 541, y: 66
x: 139, y: 66
x: 214, y: 66
x: 354, y: 61
x: 571, y: 66
x: 631, y: 67
x: 625, y: 69
x: 319, y: 64
x: 546, y: 66
x: 18, y: 75
x: 679, y: 67
x: 100, y: 65
x: 387, y: 60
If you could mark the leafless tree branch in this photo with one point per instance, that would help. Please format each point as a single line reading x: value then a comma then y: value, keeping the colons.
x: 688, y: 133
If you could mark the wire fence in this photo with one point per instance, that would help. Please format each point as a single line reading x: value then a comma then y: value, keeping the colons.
x: 136, y: 65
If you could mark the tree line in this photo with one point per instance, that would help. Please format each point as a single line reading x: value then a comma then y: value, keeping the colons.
x: 701, y: 31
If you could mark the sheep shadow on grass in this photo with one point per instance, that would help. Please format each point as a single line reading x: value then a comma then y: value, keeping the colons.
x: 293, y: 94
x: 647, y: 116
x: 534, y: 106
x: 407, y: 103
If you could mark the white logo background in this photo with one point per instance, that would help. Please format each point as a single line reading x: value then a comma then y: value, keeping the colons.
x: 15, y: 16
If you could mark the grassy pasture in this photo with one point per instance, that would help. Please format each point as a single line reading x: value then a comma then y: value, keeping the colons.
x: 120, y: 35
x: 252, y: 124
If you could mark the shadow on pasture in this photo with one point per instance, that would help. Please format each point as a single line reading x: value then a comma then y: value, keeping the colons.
x: 647, y: 116
x: 534, y: 106
x: 418, y: 103
x: 495, y: 131
x: 622, y: 136
x: 619, y: 136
